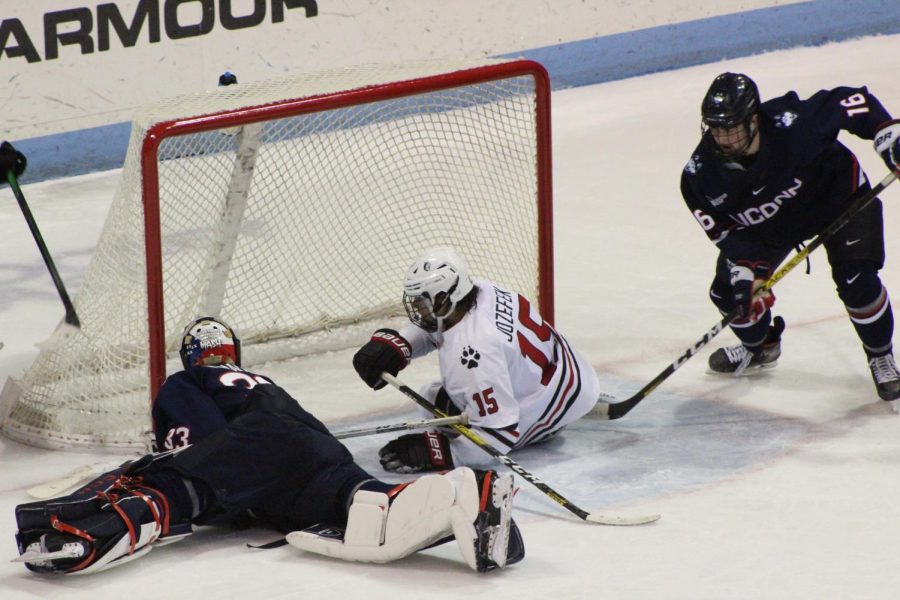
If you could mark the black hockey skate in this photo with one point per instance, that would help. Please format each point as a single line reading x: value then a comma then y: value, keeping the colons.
x: 886, y: 377
x: 736, y: 360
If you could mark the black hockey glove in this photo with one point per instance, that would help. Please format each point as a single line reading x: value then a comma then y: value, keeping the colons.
x: 415, y: 452
x: 887, y: 143
x: 746, y: 278
x: 11, y: 160
x: 386, y: 351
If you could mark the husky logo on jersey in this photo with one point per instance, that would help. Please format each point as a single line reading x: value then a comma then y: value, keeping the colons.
x: 785, y: 119
x: 470, y: 357
x: 693, y: 165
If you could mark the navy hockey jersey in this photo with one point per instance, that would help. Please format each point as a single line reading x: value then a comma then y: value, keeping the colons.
x: 194, y: 403
x: 795, y: 186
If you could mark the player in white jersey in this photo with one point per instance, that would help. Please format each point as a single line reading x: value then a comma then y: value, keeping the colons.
x: 515, y: 376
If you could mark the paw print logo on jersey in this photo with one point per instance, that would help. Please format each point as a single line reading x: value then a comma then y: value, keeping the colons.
x: 470, y: 357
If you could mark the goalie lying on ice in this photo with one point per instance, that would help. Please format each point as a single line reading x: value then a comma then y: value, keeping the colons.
x: 240, y: 445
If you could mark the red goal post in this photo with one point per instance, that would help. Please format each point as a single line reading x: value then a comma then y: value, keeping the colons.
x: 291, y: 208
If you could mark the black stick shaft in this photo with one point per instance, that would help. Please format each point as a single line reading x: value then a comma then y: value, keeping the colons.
x: 620, y: 409
x: 71, y: 317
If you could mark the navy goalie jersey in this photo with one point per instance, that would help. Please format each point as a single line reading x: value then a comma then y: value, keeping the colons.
x: 194, y: 403
x: 801, y: 179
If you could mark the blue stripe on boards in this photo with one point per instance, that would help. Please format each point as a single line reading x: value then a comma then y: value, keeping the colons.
x: 582, y: 62
x: 724, y: 37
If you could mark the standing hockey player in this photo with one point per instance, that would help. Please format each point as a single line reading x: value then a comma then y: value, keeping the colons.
x: 768, y: 176
x: 239, y: 443
x: 517, y: 378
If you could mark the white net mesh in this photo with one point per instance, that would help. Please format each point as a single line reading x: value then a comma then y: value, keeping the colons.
x: 296, y: 230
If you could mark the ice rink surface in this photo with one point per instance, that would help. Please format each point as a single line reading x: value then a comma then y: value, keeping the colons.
x: 786, y: 485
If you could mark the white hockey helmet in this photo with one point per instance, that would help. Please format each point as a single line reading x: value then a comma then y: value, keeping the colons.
x: 435, y: 282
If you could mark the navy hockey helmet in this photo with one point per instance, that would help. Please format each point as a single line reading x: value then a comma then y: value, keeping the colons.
x: 731, y: 100
x: 209, y: 341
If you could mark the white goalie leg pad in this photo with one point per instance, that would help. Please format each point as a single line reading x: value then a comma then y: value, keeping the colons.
x: 367, y: 519
x: 417, y: 517
x: 464, y: 512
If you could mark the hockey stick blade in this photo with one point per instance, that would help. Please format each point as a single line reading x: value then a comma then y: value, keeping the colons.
x: 621, y: 520
x: 71, y: 480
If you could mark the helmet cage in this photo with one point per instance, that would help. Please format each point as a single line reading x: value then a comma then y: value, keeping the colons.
x: 727, y: 114
x: 209, y: 341
x: 732, y: 142
x: 425, y: 312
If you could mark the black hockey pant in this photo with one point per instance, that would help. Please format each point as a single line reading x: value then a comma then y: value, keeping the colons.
x: 275, y: 460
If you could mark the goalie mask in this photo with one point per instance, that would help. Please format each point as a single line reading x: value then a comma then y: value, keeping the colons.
x: 209, y: 341
x: 434, y: 284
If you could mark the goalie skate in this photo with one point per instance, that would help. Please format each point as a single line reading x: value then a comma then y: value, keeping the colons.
x: 482, y: 521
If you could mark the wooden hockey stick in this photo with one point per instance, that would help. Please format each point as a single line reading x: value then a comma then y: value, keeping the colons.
x: 85, y: 473
x: 618, y: 410
x: 516, y: 467
x: 71, y: 317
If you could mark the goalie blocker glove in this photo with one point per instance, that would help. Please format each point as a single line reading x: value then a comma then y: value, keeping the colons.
x: 386, y: 351
x: 417, y: 452
x: 887, y: 144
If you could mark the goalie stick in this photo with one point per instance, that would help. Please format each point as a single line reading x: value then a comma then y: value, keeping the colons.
x: 618, y: 410
x: 462, y: 419
x: 517, y: 468
x: 86, y: 473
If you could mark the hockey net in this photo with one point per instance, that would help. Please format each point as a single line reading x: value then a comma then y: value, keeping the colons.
x: 291, y: 208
